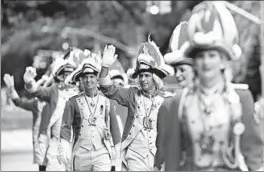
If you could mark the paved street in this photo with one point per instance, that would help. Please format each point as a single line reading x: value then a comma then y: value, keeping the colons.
x: 21, y: 161
x: 16, y: 151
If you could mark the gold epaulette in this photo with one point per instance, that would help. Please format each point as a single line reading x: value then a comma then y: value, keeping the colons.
x: 240, y: 86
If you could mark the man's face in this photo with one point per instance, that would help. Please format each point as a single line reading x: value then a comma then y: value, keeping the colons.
x: 65, y: 74
x: 63, y: 77
x: 118, y: 82
x: 146, y: 81
x: 90, y: 82
x: 184, y: 75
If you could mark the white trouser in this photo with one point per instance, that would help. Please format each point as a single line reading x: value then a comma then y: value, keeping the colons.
x: 137, y: 162
x: 94, y: 160
x: 52, y: 156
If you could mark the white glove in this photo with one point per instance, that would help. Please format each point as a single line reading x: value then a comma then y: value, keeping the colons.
x: 9, y: 81
x: 29, y: 75
x: 109, y: 56
x: 64, y: 152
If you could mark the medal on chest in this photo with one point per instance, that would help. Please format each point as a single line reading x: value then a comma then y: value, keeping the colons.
x: 147, y: 123
x: 107, y: 134
x: 91, y: 105
x: 206, y: 144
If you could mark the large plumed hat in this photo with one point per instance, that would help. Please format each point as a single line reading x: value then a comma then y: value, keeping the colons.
x: 150, y: 59
x: 179, y: 42
x: 212, y: 26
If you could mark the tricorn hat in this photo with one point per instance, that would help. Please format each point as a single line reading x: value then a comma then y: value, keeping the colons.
x: 90, y: 65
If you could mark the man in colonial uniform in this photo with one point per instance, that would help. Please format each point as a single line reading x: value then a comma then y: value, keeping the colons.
x: 139, y: 136
x: 217, y: 130
x: 95, y: 128
x: 35, y: 106
x: 56, y: 96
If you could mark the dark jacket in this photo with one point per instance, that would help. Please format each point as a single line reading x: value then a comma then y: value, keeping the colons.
x: 170, y: 142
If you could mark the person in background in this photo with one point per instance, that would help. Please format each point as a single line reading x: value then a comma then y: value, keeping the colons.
x: 56, y: 96
x: 138, y: 141
x: 95, y: 127
x: 218, y: 132
x: 35, y: 106
x: 184, y: 74
x: 119, y: 80
x: 183, y: 66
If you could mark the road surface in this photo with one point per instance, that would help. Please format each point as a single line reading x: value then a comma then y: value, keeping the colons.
x: 16, y: 151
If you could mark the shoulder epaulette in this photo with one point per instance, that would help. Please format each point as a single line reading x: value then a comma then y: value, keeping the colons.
x: 78, y: 95
x: 131, y: 86
x: 167, y: 94
x: 240, y: 86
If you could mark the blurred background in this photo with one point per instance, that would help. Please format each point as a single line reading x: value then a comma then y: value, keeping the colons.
x: 33, y: 32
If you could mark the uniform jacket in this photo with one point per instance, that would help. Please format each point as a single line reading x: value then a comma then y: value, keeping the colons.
x: 72, y: 118
x: 127, y: 97
x: 35, y: 106
x: 50, y: 96
x: 170, y: 141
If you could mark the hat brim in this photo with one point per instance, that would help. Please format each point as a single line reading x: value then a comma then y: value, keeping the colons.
x: 193, y: 50
x: 61, y: 70
x: 76, y: 77
x: 158, y: 72
x: 183, y: 61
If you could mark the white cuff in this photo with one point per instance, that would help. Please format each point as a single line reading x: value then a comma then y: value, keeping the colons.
x: 34, y: 86
x: 13, y: 94
x: 106, y: 81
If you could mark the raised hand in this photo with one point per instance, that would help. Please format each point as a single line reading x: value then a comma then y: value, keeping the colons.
x: 30, y: 74
x: 9, y: 81
x: 109, y: 56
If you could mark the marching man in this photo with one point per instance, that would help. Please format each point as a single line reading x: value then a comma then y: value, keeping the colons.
x: 95, y: 128
x: 139, y: 136
x: 56, y: 96
x: 35, y: 106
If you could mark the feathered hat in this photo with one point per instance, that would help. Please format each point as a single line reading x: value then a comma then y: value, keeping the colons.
x: 179, y: 42
x: 150, y: 59
x: 212, y: 26
x: 90, y: 65
x: 60, y: 66
x: 117, y: 74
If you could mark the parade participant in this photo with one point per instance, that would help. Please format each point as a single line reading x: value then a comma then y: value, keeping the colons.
x: 259, y: 110
x: 184, y: 74
x: 56, y: 96
x: 35, y: 106
x: 95, y: 128
x: 183, y: 66
x: 218, y: 130
x: 139, y: 136
x: 119, y: 80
